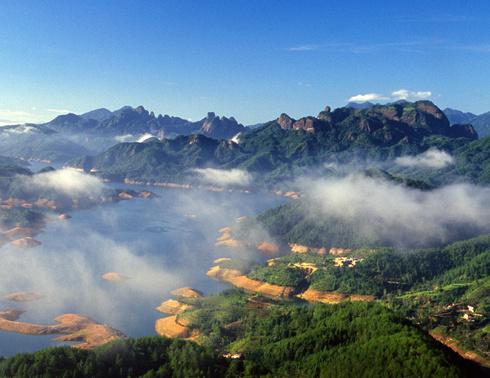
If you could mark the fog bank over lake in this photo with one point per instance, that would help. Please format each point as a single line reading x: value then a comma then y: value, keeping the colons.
x: 161, y: 244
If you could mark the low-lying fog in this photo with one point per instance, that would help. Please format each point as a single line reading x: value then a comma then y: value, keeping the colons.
x: 162, y: 244
x: 168, y: 242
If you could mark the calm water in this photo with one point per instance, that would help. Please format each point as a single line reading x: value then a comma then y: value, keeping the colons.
x: 162, y: 244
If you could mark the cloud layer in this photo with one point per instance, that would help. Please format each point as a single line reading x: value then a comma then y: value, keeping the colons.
x: 401, y: 94
x: 67, y: 182
x: 430, y: 159
x: 402, y: 216
x: 224, y: 178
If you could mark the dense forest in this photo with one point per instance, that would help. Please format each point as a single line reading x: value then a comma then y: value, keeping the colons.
x: 345, y: 340
x: 435, y: 286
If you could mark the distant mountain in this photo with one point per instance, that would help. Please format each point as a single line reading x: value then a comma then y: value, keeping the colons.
x: 458, y: 117
x: 359, y: 105
x: 38, y: 142
x: 101, y: 129
x: 283, y: 148
x: 481, y: 122
x: 71, y: 124
x: 99, y: 115
x: 135, y: 122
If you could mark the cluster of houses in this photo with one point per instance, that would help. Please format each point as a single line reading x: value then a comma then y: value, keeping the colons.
x: 236, y: 356
x: 346, y: 261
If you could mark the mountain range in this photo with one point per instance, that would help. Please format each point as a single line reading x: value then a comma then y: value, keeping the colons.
x: 481, y: 123
x: 70, y: 136
x: 285, y: 148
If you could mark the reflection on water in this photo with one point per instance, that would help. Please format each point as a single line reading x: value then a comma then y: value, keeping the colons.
x: 162, y: 244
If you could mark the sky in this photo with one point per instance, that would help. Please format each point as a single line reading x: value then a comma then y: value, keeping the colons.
x: 252, y: 60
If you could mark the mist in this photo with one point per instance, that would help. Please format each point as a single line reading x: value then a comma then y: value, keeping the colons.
x: 140, y: 138
x: 161, y: 244
x: 433, y: 158
x: 224, y: 178
x: 66, y: 182
x: 401, y: 216
x: 18, y: 129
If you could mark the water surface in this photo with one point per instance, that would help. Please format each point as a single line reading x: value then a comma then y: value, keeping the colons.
x: 162, y: 244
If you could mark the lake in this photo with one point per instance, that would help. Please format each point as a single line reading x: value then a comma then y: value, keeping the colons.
x: 162, y: 244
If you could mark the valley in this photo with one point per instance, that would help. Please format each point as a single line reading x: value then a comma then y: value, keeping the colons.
x: 324, y: 227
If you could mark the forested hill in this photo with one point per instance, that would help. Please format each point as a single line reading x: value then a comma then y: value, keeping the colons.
x: 345, y: 340
x: 370, y: 208
x: 283, y: 148
x: 472, y: 164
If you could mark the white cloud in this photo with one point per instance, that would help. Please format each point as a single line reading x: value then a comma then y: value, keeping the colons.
x: 400, y: 215
x: 223, y: 178
x: 144, y: 137
x: 20, y: 129
x: 236, y: 138
x: 133, y: 138
x: 400, y: 94
x: 403, y: 94
x: 125, y: 138
x: 16, y: 117
x: 68, y: 182
x: 430, y: 159
x: 12, y: 113
x: 368, y: 97
x: 304, y: 48
x: 10, y: 117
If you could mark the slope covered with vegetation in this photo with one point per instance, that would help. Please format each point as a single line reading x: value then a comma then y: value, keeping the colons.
x: 284, y: 148
x: 345, y: 340
x: 471, y: 164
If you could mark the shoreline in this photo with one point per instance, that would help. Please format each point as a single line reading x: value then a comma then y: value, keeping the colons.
x: 74, y: 327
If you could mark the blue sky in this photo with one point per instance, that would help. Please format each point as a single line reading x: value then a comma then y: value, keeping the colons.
x: 249, y: 59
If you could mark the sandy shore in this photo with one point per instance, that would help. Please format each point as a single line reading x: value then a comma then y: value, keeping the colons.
x: 76, y: 327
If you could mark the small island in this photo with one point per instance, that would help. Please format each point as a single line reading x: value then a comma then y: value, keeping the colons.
x: 24, y: 297
x: 75, y: 327
x: 115, y: 277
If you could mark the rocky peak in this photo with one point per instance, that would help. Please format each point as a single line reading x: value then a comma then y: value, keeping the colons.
x: 306, y: 124
x: 430, y: 108
x: 141, y: 110
x: 223, y: 127
x: 285, y: 121
x: 326, y: 114
x: 311, y: 124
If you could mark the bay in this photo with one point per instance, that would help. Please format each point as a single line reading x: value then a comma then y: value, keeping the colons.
x: 162, y: 244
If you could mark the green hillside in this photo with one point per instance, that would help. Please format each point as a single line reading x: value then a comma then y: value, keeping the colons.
x: 472, y: 164
x: 345, y: 340
x: 285, y: 148
x: 445, y: 290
